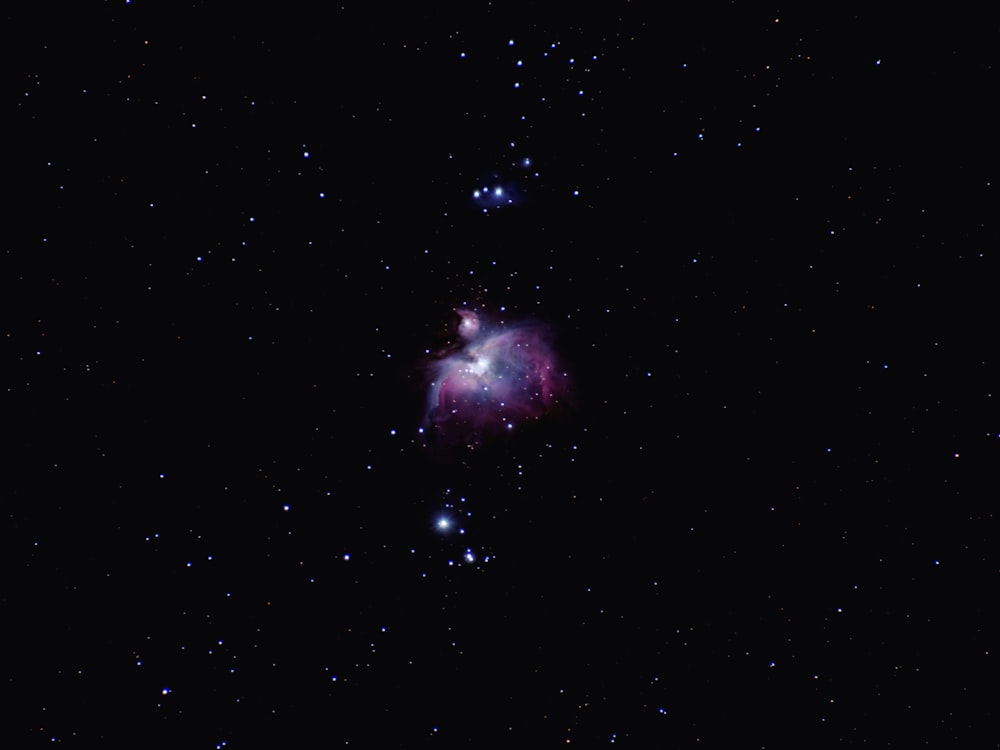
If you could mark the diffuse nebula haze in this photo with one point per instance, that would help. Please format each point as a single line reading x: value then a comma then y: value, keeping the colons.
x: 492, y: 379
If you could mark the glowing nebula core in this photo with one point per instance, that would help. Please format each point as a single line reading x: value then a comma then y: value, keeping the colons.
x: 492, y: 380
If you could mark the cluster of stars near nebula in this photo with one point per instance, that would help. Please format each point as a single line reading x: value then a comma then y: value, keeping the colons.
x: 505, y: 189
x: 451, y: 522
x: 492, y: 379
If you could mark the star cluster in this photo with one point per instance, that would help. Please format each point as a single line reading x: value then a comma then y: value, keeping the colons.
x: 508, y: 188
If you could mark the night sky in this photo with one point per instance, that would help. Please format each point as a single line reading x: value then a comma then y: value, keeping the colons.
x: 496, y: 376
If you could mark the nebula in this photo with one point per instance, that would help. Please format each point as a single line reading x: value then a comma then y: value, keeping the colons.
x: 492, y: 380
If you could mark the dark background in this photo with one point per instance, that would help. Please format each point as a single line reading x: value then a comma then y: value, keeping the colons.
x: 766, y: 245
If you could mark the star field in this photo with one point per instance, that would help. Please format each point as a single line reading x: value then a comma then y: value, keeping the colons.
x: 498, y: 376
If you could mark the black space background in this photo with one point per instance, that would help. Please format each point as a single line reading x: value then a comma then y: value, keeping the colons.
x: 768, y: 517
